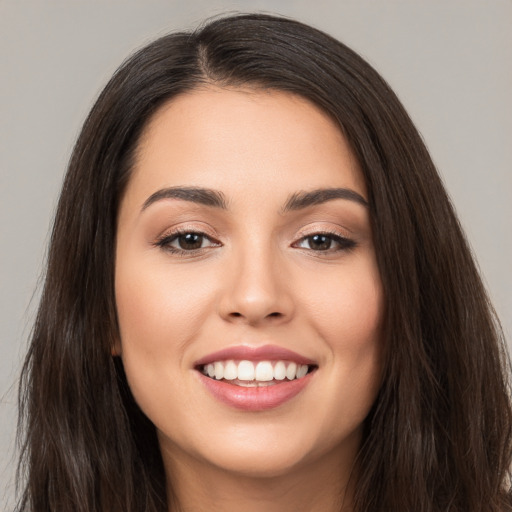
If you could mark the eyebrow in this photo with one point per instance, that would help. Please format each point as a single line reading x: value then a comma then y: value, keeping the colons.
x: 301, y: 200
x: 204, y: 196
x: 216, y: 199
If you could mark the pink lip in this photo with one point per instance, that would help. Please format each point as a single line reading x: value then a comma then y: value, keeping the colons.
x: 258, y: 398
x: 254, y: 398
x: 264, y: 353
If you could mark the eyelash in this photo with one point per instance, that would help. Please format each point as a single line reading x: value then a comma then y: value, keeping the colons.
x: 165, y: 242
x: 343, y: 243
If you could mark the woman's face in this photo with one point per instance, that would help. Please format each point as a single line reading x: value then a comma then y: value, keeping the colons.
x: 244, y: 251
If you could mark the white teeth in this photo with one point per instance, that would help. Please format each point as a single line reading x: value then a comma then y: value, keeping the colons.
x: 262, y: 371
x: 280, y: 371
x: 219, y: 370
x: 246, y: 370
x: 302, y: 370
x: 291, y: 371
x: 230, y: 371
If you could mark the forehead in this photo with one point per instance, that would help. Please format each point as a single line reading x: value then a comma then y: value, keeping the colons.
x: 224, y: 138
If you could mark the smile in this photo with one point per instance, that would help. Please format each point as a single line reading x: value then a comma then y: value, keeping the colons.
x: 251, y: 374
x: 255, y: 379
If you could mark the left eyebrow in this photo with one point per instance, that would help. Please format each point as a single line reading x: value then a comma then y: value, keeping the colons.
x: 204, y: 196
x: 301, y: 200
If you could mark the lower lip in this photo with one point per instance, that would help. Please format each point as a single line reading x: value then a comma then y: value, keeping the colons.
x: 255, y: 398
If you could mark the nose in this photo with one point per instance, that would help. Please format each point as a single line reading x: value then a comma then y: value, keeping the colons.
x: 256, y: 290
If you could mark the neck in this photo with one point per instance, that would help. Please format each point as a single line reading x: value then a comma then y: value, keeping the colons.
x: 321, y: 486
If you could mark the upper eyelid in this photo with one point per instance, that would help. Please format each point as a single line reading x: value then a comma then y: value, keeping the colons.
x: 188, y: 228
x: 330, y: 234
x: 324, y: 227
x: 171, y: 236
x: 303, y: 233
x: 339, y: 232
x: 342, y: 246
x: 165, y: 242
x: 325, y: 222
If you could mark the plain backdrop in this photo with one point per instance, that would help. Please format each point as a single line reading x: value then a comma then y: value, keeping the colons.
x: 450, y: 62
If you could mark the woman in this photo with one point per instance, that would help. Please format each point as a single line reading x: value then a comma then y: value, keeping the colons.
x: 258, y: 297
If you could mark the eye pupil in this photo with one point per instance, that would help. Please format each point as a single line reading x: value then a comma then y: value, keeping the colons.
x: 190, y: 241
x: 320, y: 242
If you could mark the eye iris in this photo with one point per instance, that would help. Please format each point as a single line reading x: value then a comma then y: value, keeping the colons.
x: 190, y: 241
x: 320, y: 242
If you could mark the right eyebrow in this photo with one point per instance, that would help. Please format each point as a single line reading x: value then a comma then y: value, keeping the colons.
x: 204, y: 196
x: 305, y: 199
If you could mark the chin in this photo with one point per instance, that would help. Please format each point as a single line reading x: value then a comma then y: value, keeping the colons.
x: 262, y: 464
x: 275, y: 452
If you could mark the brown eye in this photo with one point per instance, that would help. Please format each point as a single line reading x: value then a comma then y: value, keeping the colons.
x: 190, y: 241
x: 186, y: 242
x: 319, y: 242
x: 325, y: 242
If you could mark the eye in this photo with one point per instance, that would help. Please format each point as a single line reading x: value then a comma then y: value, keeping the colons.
x: 325, y: 242
x: 189, y: 241
x: 186, y: 241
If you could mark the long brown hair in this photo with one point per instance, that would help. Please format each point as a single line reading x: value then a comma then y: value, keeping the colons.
x: 439, y: 435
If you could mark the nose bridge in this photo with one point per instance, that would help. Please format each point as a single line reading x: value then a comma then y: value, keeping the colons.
x: 256, y: 287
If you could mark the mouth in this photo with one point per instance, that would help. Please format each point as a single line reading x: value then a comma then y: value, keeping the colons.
x: 247, y: 373
x: 255, y: 379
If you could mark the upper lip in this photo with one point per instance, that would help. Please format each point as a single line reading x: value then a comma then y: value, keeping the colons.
x: 249, y: 353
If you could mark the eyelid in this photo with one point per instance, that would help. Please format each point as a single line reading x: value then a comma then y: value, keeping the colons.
x: 344, y: 243
x: 163, y: 240
x: 188, y: 227
x: 316, y: 228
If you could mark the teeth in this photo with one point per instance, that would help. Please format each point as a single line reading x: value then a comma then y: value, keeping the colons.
x: 246, y: 370
x: 280, y: 371
x: 291, y: 371
x: 262, y: 371
x: 230, y: 371
x: 302, y: 370
x: 219, y: 370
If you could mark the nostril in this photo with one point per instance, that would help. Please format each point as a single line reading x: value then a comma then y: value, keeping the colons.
x: 275, y: 314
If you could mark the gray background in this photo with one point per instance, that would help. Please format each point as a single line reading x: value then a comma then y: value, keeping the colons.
x: 450, y: 61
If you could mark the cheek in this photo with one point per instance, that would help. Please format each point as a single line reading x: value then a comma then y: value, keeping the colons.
x: 347, y: 309
x: 346, y: 312
x: 157, y: 307
x: 159, y: 313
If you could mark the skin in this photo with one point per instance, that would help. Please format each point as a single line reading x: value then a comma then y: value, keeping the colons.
x: 257, y: 279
